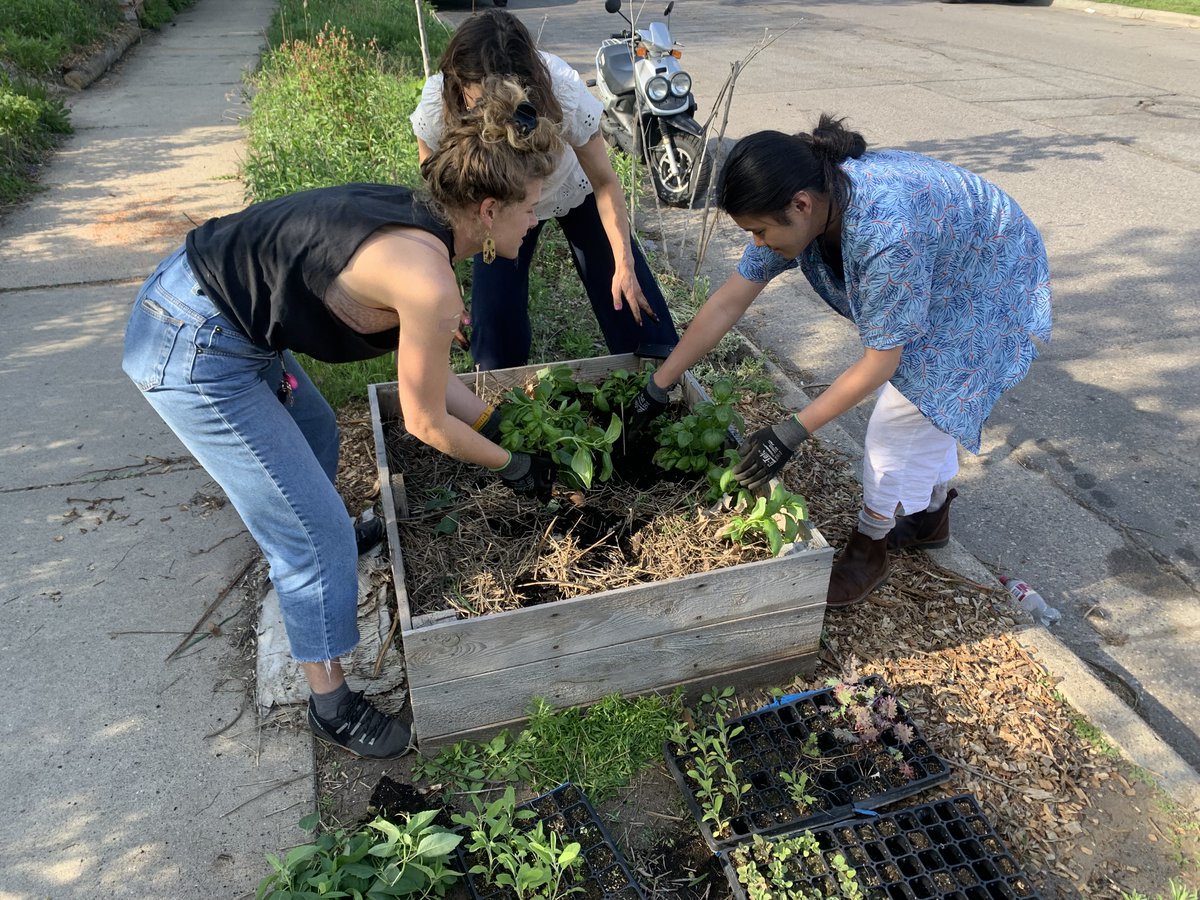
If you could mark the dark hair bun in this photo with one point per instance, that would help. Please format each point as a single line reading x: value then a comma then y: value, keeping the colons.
x: 833, y: 140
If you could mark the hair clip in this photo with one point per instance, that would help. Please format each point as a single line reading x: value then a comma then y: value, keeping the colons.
x: 525, y: 117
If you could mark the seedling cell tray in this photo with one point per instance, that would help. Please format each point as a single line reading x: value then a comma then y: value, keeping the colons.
x: 944, y: 849
x: 567, y: 811
x: 842, y: 778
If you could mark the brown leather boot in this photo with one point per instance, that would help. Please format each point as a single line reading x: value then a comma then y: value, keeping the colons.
x: 861, y: 567
x: 924, y: 529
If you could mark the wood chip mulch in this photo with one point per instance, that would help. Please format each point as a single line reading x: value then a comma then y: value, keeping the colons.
x: 945, y: 644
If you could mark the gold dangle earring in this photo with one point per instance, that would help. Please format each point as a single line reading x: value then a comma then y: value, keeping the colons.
x: 489, y: 249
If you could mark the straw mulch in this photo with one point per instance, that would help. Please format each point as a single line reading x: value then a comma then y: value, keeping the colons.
x: 496, y: 551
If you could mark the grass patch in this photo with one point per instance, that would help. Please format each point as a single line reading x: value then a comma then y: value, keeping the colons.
x: 1188, y: 7
x: 37, y: 35
x: 325, y: 112
x: 1088, y: 732
x: 599, y: 748
x: 390, y: 25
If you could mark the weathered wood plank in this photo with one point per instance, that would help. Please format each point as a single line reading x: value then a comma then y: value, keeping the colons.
x: 632, y: 667
x: 585, y: 370
x: 385, y: 409
x: 776, y: 673
x: 465, y: 647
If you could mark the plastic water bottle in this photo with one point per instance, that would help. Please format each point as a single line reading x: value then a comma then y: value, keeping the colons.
x: 1031, y: 600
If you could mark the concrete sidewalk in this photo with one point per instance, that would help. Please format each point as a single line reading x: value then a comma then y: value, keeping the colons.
x: 116, y: 543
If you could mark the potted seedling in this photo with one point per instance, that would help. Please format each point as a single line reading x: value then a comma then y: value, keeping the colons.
x: 805, y: 760
x: 945, y: 848
x: 551, y: 847
x: 790, y: 868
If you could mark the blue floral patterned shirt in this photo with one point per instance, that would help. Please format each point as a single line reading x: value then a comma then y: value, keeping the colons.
x: 944, y: 264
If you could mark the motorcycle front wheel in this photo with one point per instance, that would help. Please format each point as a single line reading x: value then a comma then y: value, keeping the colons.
x: 677, y: 188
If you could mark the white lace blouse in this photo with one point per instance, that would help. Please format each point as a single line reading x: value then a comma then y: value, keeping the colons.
x: 567, y: 186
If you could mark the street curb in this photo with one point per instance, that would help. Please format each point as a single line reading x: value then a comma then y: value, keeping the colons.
x: 1137, y: 742
x: 92, y: 68
x: 1124, y: 729
x: 1116, y: 10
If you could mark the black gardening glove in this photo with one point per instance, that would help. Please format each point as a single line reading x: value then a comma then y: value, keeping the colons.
x: 529, y: 475
x: 767, y: 451
x: 490, y: 428
x: 648, y: 405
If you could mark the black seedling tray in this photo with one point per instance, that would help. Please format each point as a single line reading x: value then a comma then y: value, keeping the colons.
x: 944, y: 849
x: 569, y: 813
x: 842, y: 779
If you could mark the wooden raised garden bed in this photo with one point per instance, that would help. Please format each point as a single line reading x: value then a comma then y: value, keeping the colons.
x: 746, y: 625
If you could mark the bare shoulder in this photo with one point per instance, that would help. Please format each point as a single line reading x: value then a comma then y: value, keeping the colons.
x: 402, y: 269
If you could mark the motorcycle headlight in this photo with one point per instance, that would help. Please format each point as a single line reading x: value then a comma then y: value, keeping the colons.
x: 681, y: 84
x: 657, y: 89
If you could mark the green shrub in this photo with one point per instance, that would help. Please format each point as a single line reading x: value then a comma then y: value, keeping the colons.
x: 30, y: 121
x: 325, y: 113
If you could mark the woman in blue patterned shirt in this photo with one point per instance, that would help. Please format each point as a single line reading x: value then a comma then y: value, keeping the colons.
x: 947, y: 282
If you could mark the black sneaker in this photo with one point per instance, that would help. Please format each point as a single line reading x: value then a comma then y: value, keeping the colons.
x: 369, y: 534
x: 363, y: 730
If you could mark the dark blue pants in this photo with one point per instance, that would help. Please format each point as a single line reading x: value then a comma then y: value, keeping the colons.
x: 500, y: 329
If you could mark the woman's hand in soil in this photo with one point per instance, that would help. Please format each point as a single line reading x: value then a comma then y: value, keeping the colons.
x: 530, y: 475
x: 766, y: 452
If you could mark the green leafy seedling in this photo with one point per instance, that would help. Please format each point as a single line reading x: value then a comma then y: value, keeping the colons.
x: 777, y: 517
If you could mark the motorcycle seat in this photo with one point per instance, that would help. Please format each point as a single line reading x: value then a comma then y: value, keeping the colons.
x: 616, y: 65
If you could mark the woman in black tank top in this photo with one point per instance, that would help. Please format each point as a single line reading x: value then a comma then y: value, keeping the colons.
x: 340, y: 273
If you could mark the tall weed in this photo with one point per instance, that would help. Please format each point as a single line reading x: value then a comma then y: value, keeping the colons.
x: 390, y: 24
x: 324, y: 113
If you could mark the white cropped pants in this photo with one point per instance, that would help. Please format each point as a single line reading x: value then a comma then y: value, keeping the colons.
x: 905, y: 455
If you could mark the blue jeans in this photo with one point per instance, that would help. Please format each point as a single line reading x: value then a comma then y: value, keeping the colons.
x: 217, y: 391
x: 500, y: 331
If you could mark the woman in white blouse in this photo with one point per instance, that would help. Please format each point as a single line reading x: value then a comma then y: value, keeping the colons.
x: 583, y: 194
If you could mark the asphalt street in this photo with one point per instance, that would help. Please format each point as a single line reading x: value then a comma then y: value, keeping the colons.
x: 1087, y: 483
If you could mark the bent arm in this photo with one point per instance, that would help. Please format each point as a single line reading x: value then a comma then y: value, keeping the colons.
x: 428, y: 392
x: 716, y: 317
x: 416, y: 281
x: 851, y: 387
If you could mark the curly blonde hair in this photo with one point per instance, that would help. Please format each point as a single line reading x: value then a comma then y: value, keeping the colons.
x: 492, y: 150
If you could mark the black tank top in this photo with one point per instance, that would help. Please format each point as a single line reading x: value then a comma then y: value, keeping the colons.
x: 268, y: 267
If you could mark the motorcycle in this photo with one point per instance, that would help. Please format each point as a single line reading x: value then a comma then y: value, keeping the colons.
x: 648, y: 106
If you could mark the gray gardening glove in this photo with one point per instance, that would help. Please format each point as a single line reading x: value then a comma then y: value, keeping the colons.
x: 767, y: 451
x: 529, y: 475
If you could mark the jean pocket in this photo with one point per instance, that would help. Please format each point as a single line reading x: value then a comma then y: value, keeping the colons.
x: 150, y: 337
x: 219, y: 337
